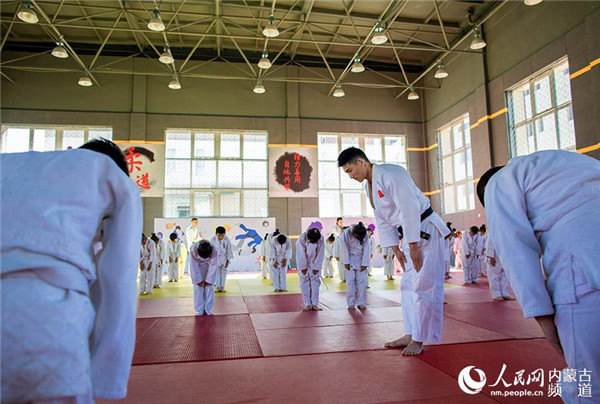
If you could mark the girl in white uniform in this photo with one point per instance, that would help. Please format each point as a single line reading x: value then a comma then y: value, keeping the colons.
x: 158, y: 263
x: 147, y: 259
x: 337, y: 253
x: 355, y: 255
x: 280, y: 255
x: 225, y: 253
x: 496, y: 274
x: 388, y: 263
x: 328, y: 260
x: 174, y: 255
x: 470, y: 264
x: 264, y: 254
x: 310, y: 251
x: 204, y: 262
x: 481, y: 246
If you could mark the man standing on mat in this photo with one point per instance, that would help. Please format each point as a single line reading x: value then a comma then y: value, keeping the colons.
x: 397, y: 201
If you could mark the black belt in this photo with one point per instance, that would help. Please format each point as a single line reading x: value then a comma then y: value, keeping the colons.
x: 427, y: 213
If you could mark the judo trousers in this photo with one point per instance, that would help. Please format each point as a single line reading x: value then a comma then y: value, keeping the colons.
x: 356, y: 287
x: 428, y: 288
x: 173, y: 271
x: 327, y: 267
x: 309, y: 286
x: 498, y: 280
x: 264, y: 267
x: 45, y: 351
x: 157, y: 275
x: 147, y: 280
x: 388, y: 268
x: 470, y: 267
x: 203, y: 299
x: 341, y: 270
x: 221, y: 276
x: 280, y: 278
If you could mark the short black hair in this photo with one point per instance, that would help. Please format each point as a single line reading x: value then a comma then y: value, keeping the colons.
x: 220, y: 230
x: 109, y: 149
x: 194, y: 218
x: 276, y: 232
x: 350, y: 155
x: 338, y: 219
x: 173, y: 236
x: 474, y: 229
x: 205, y: 249
x: 143, y: 237
x: 154, y: 237
x: 281, y: 239
x: 483, y: 181
x: 483, y: 228
x: 359, y: 231
x: 313, y: 235
x: 331, y: 238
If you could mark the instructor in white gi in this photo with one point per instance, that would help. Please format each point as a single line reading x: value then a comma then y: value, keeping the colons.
x: 397, y: 201
x: 547, y: 205
x: 68, y: 314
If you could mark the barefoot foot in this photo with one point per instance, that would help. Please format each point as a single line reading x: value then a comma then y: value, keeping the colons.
x: 316, y: 308
x: 307, y: 308
x: 399, y: 343
x: 414, y: 348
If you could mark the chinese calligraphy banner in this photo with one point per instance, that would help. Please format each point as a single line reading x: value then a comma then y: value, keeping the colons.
x: 246, y: 235
x: 293, y: 172
x: 146, y: 163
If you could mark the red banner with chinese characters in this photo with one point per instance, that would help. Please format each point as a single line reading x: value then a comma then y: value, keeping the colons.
x: 293, y: 171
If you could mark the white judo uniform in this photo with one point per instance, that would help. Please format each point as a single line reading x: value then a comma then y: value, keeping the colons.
x: 309, y: 257
x: 496, y: 274
x: 335, y: 230
x: 357, y: 255
x: 480, y: 246
x: 328, y: 260
x: 68, y: 315
x: 192, y: 235
x: 448, y: 254
x: 264, y: 253
x: 225, y: 251
x: 547, y: 204
x: 173, y: 257
x: 159, y: 263
x: 398, y: 202
x: 388, y: 261
x: 337, y: 253
x: 203, y: 270
x: 277, y: 253
x: 147, y: 264
x: 470, y: 265
x: 372, y: 247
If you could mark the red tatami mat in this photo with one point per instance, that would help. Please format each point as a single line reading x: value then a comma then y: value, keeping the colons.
x: 198, y: 338
x: 184, y: 306
x: 505, y: 317
x: 355, y: 377
x: 142, y: 325
x: 271, y: 321
x: 491, y: 356
x: 337, y: 300
x: 274, y: 303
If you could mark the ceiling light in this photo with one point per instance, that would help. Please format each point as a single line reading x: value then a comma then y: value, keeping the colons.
x: 477, y: 42
x: 27, y: 13
x: 532, y: 2
x: 338, y: 92
x: 379, y: 37
x: 357, y: 66
x: 264, y: 62
x: 259, y: 88
x: 413, y: 95
x: 271, y: 30
x: 85, y: 80
x: 156, y: 23
x: 59, y: 51
x: 440, y: 73
x: 166, y: 57
x: 175, y: 84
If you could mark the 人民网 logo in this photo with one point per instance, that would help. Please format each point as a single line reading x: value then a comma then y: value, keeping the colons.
x: 466, y: 382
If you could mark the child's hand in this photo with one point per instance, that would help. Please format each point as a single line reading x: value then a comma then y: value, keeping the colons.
x: 363, y: 268
x: 304, y: 272
x: 315, y: 271
x: 347, y: 266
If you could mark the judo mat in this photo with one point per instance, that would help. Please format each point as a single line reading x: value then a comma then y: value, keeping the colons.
x: 197, y: 338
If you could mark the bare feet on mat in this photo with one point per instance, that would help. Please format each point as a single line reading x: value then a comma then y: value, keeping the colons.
x: 508, y: 298
x: 414, y: 348
x: 307, y: 308
x: 350, y: 307
x: 362, y: 306
x: 316, y: 308
x: 499, y: 298
x: 399, y: 343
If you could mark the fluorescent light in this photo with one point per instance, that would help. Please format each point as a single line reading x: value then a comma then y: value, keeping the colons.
x: 85, y: 80
x: 271, y: 30
x: 264, y: 62
x: 338, y: 92
x: 413, y: 95
x: 440, y: 73
x: 156, y: 23
x: 166, y: 57
x: 60, y: 51
x: 357, y: 66
x: 175, y: 84
x: 477, y: 42
x: 27, y: 14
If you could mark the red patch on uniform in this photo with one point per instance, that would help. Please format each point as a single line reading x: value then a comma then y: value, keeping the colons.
x: 380, y: 193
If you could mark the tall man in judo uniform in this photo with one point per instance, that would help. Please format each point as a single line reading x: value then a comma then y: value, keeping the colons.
x: 204, y: 263
x: 355, y: 255
x: 192, y: 235
x: 547, y: 204
x: 397, y: 201
x: 147, y: 262
x: 310, y: 252
x: 225, y: 252
x: 280, y: 256
x: 68, y: 314
x: 496, y: 274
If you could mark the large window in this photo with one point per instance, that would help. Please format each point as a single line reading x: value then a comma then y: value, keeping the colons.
x: 456, y: 166
x: 540, y: 112
x: 338, y: 194
x: 215, y: 173
x: 22, y: 138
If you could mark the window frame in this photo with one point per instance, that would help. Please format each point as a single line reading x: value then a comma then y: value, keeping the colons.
x: 58, y: 130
